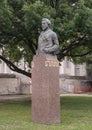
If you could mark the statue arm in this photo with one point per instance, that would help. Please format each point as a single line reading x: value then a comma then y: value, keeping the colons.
x: 55, y: 46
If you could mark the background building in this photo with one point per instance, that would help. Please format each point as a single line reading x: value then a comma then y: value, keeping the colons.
x: 69, y: 68
x: 72, y: 79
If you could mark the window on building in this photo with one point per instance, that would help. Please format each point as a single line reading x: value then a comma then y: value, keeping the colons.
x: 67, y: 63
x: 77, y: 70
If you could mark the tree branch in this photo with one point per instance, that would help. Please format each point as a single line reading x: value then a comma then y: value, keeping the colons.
x: 14, y: 68
x: 81, y: 55
x: 73, y: 44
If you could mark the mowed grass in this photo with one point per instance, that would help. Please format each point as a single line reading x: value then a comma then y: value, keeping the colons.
x: 76, y: 114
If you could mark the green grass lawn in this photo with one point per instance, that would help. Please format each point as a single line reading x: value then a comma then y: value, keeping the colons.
x: 76, y: 114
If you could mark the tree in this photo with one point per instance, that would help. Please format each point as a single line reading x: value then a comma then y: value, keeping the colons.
x: 20, y: 22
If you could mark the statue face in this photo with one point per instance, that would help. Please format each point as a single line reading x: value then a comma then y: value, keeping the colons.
x: 44, y: 25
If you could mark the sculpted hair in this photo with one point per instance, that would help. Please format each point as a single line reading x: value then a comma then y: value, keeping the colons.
x: 47, y: 20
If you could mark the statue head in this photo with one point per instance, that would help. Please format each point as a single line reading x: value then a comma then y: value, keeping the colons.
x: 45, y: 24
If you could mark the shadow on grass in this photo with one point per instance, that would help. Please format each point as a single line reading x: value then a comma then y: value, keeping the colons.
x: 65, y: 102
x: 16, y: 102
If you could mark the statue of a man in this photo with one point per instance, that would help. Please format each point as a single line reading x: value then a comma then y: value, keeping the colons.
x: 47, y: 41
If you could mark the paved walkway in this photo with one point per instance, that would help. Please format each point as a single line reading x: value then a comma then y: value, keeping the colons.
x: 85, y: 95
x: 28, y: 97
x: 15, y: 97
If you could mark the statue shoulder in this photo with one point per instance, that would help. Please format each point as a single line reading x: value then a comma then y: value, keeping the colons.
x: 52, y: 33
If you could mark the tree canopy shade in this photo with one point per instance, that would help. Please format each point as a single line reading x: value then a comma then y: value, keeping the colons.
x: 20, y: 25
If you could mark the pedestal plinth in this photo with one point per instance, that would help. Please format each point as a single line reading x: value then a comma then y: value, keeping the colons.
x: 45, y: 89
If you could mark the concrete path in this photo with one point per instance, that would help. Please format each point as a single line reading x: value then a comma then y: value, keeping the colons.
x: 28, y: 97
x: 85, y: 95
x: 15, y: 97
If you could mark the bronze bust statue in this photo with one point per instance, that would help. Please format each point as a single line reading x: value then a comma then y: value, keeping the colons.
x: 47, y: 41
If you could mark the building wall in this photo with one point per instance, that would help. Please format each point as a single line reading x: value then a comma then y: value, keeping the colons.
x: 9, y: 86
x: 69, y: 68
x: 4, y: 68
x: 74, y: 84
x: 14, y: 86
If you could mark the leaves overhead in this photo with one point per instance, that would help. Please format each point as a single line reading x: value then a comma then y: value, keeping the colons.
x: 20, y: 25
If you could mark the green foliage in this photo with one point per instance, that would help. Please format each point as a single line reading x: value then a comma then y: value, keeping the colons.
x: 20, y: 24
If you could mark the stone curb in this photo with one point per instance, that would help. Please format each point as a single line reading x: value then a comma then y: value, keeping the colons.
x: 15, y: 97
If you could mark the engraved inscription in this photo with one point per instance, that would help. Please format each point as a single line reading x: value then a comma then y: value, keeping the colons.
x: 50, y: 63
x: 32, y: 64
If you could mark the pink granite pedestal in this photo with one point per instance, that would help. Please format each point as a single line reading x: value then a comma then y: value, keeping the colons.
x: 45, y: 89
